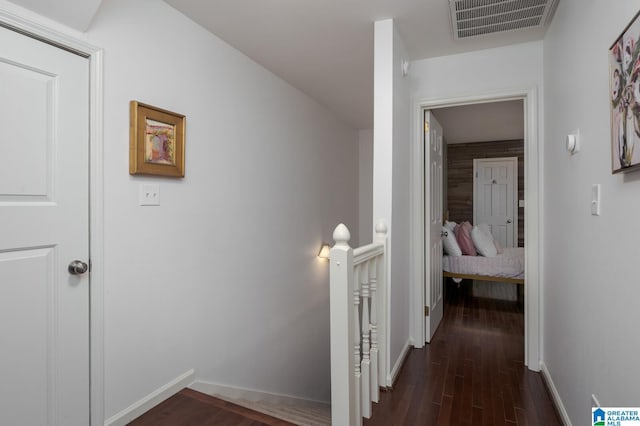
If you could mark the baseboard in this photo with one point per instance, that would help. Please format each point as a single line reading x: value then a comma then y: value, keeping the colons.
x: 554, y: 393
x: 154, y: 398
x: 397, y: 367
x: 235, y: 393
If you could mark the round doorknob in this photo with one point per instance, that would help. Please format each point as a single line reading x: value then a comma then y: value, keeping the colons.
x: 509, y: 220
x: 78, y: 267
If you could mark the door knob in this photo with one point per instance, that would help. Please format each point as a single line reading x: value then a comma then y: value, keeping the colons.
x: 78, y: 267
x: 509, y: 220
x: 444, y: 234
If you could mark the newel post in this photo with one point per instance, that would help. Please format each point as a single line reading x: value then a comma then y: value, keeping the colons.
x: 342, y: 329
x: 381, y: 237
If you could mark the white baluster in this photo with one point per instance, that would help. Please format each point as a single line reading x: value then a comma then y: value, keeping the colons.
x: 356, y: 344
x: 373, y: 289
x: 366, y: 347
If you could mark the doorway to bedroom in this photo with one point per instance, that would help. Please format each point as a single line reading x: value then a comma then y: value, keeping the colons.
x: 483, y: 189
x: 483, y: 184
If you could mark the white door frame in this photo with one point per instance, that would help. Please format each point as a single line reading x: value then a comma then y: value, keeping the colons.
x: 533, y: 186
x: 33, y: 25
x: 514, y: 161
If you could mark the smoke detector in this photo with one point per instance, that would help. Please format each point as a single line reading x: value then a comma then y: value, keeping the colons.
x: 473, y: 18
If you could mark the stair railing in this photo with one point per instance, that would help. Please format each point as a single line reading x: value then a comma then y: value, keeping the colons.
x: 358, y: 306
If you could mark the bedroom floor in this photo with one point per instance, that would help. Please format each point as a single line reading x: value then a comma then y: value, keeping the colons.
x: 472, y: 372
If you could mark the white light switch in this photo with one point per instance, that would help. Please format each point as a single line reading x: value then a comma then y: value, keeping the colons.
x: 149, y: 194
x: 595, y: 199
x: 520, y: 203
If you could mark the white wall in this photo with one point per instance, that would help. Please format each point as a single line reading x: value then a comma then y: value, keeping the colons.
x: 223, y: 276
x: 391, y: 175
x: 591, y: 279
x: 485, y: 74
x: 365, y: 186
x: 477, y: 73
x: 400, y: 223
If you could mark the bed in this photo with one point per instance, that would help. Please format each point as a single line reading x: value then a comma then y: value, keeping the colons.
x: 506, y: 267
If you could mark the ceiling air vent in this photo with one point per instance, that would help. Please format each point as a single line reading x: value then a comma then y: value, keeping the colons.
x: 472, y: 18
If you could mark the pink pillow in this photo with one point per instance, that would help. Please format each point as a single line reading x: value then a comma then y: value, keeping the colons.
x: 463, y: 236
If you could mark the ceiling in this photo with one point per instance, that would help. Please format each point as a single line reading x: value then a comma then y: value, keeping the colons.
x: 494, y: 121
x: 324, y: 48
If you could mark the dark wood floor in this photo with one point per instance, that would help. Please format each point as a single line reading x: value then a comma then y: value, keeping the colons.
x: 191, y: 408
x: 471, y: 374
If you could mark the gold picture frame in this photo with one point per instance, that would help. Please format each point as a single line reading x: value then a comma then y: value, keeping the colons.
x: 156, y: 141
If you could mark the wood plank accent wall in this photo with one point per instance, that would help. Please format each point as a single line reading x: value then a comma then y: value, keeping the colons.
x: 460, y: 176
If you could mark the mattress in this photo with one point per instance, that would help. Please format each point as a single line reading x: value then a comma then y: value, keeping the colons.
x: 509, y: 264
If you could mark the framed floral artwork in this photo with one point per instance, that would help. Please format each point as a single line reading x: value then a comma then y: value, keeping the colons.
x: 156, y: 141
x: 624, y: 64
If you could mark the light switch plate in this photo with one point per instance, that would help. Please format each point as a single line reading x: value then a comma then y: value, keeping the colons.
x: 149, y: 194
x: 520, y: 203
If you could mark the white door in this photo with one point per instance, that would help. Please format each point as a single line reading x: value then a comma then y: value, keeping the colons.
x: 433, y: 217
x: 495, y: 194
x: 44, y: 225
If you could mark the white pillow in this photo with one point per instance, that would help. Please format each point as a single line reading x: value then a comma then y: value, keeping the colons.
x: 449, y: 225
x: 449, y: 243
x: 484, y: 227
x: 483, y: 241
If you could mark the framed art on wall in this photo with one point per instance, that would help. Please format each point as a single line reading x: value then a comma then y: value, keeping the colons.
x: 624, y: 82
x: 156, y: 141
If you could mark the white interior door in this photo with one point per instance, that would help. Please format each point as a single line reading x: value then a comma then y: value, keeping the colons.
x: 495, y: 194
x: 44, y: 308
x: 433, y: 146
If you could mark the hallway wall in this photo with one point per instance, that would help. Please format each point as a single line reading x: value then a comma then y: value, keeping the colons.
x: 222, y: 276
x: 591, y: 291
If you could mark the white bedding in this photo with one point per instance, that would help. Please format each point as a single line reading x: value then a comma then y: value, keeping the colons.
x: 509, y: 264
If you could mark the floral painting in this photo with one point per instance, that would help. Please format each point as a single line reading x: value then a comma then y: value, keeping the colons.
x: 624, y: 60
x: 160, y: 141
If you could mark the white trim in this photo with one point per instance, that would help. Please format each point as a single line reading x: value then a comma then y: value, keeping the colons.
x: 28, y: 22
x: 154, y: 398
x: 554, y: 393
x: 533, y: 205
x: 96, y: 239
x: 233, y: 393
x: 44, y: 28
x: 416, y: 223
x: 393, y: 374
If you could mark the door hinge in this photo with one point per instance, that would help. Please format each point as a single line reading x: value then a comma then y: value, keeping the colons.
x: 426, y: 311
